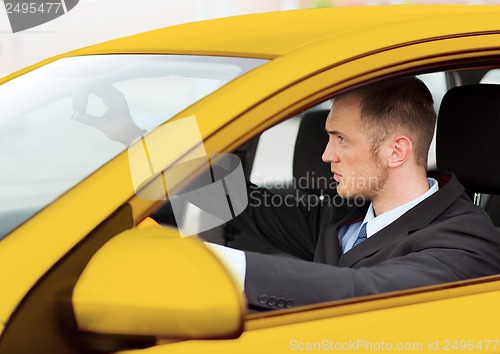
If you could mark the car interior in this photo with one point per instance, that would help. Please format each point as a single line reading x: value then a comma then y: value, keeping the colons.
x: 466, y: 141
x: 291, y: 151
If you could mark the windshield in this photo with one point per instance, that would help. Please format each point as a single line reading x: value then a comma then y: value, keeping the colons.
x: 48, y: 120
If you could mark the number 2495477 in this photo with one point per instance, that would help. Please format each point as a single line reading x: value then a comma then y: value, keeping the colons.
x: 470, y: 345
x: 33, y: 8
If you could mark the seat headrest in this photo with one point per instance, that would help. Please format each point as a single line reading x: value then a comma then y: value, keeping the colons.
x: 309, y: 170
x: 468, y: 136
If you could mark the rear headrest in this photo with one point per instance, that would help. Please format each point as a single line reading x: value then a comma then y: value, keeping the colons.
x: 309, y: 170
x: 468, y: 136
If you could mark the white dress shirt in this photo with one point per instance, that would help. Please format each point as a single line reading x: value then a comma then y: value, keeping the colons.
x: 348, y: 233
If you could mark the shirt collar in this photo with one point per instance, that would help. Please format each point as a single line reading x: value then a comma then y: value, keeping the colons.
x: 377, y: 223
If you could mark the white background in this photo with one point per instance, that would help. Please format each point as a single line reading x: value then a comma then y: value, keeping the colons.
x: 94, y: 21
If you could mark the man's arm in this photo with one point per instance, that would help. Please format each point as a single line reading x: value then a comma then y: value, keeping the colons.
x: 288, y: 223
x: 443, y: 252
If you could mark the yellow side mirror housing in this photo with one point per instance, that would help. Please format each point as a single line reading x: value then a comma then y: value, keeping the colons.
x: 151, y: 282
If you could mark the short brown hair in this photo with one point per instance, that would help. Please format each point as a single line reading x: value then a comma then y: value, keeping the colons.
x: 398, y: 104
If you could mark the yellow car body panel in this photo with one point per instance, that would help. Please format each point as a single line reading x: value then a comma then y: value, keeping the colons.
x: 273, y: 34
x: 426, y: 327
x: 325, y: 52
x: 270, y: 35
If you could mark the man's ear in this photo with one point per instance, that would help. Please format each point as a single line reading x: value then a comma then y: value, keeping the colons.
x: 399, y: 150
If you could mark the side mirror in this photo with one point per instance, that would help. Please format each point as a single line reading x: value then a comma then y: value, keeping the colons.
x: 149, y: 282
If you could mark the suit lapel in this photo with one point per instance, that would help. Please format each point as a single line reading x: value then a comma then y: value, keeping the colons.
x: 414, y: 219
x: 391, y: 233
x: 331, y: 252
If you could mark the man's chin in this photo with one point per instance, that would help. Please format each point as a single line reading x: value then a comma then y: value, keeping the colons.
x: 351, y: 195
x: 341, y: 192
x: 346, y: 194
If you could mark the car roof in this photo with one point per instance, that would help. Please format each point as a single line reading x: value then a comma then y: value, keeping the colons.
x: 269, y: 35
x: 274, y: 34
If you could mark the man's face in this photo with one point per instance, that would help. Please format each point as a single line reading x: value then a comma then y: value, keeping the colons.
x: 358, y: 170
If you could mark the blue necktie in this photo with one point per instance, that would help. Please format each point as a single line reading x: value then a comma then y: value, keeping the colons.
x: 361, y: 236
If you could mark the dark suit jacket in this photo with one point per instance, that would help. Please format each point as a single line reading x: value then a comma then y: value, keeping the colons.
x: 442, y: 239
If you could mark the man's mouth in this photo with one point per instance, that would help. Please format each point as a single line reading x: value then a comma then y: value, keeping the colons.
x: 336, y: 176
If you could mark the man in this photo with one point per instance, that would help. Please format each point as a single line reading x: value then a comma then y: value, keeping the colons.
x: 412, y: 231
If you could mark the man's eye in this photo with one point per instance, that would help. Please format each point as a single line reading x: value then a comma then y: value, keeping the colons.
x: 340, y: 139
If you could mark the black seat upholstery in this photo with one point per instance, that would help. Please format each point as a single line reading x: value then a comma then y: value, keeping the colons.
x: 468, y: 139
x: 312, y: 177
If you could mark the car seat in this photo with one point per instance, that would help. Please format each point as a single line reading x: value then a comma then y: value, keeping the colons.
x: 468, y: 142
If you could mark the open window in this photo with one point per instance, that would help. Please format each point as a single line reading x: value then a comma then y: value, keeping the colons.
x: 267, y: 159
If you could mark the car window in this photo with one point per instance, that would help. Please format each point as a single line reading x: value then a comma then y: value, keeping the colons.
x: 274, y: 156
x: 491, y: 77
x: 436, y: 82
x: 52, y: 126
x: 273, y: 167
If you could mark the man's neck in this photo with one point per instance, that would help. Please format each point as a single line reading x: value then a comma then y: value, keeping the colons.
x: 399, y: 191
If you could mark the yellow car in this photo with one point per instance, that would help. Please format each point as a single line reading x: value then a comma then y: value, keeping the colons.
x: 93, y: 201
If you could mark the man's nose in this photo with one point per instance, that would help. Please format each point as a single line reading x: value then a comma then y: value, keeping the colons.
x: 324, y: 157
x: 329, y: 154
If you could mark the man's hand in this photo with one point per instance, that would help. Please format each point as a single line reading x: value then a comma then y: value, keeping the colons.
x: 116, y: 123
